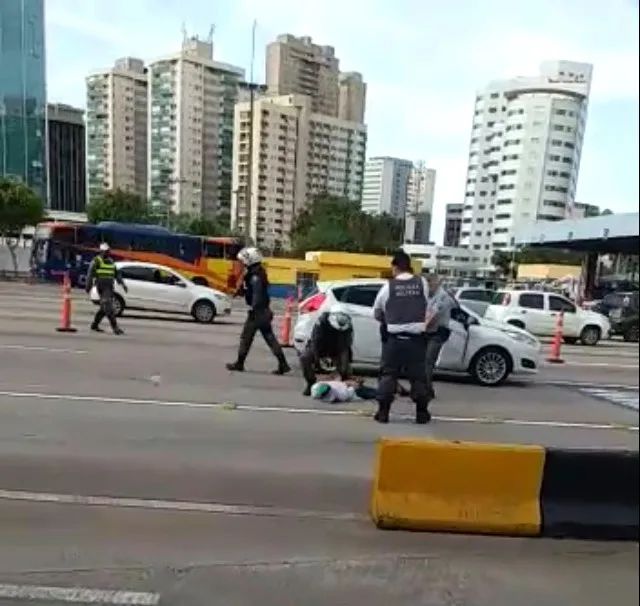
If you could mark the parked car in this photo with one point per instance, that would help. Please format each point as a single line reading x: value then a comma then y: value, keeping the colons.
x: 488, y: 351
x: 537, y: 312
x: 157, y: 288
x: 474, y: 298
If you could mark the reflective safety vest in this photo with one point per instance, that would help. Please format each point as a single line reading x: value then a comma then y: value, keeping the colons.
x: 105, y: 269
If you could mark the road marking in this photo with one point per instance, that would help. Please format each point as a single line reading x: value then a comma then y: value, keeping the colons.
x: 78, y: 595
x: 625, y: 398
x: 181, y: 506
x: 593, y: 365
x: 590, y: 384
x: 46, y: 349
x: 232, y: 406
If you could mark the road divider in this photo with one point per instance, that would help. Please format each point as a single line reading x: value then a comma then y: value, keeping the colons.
x: 515, y: 490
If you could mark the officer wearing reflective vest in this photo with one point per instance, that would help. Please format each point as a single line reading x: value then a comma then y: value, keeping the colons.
x: 401, y: 306
x: 104, y: 274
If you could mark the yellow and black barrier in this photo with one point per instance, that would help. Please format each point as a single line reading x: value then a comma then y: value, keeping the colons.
x: 515, y: 490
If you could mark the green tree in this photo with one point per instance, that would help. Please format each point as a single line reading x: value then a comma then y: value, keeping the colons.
x: 20, y: 207
x: 606, y: 212
x: 331, y: 223
x: 501, y: 260
x: 119, y: 205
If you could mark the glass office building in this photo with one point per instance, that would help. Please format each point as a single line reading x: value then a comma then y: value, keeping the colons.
x: 23, y: 92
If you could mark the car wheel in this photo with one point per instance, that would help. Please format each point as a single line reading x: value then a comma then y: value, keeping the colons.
x: 632, y: 334
x: 570, y: 340
x: 204, y: 312
x: 590, y: 335
x: 517, y: 324
x: 491, y: 366
x: 118, y: 305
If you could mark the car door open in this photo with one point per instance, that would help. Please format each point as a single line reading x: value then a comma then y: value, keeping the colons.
x: 358, y: 301
x: 453, y: 353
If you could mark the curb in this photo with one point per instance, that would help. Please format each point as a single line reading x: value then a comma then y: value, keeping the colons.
x: 499, y: 489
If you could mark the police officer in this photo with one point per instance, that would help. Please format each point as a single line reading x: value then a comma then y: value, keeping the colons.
x: 401, y: 305
x: 437, y: 321
x: 259, y: 318
x: 104, y: 273
x: 331, y: 337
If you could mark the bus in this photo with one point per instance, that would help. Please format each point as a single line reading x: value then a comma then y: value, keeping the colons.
x: 70, y: 247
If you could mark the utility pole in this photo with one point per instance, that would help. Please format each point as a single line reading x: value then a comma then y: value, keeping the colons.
x: 248, y: 189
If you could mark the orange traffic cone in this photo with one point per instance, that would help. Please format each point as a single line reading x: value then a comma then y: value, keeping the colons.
x: 65, y: 319
x: 285, y: 331
x: 555, y: 358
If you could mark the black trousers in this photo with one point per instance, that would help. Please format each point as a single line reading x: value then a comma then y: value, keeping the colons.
x: 258, y: 321
x: 105, y: 309
x: 311, y: 356
x: 406, y: 356
x: 435, y: 341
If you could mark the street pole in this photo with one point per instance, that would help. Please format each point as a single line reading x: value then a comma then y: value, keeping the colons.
x: 248, y: 190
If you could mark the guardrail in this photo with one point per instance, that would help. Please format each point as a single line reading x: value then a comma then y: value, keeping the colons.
x: 503, y: 489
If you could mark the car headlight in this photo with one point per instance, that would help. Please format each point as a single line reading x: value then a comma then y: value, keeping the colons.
x: 518, y: 336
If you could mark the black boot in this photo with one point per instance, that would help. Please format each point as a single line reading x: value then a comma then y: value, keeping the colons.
x: 423, y: 416
x: 235, y: 366
x: 382, y: 414
x: 283, y: 366
x: 307, y: 390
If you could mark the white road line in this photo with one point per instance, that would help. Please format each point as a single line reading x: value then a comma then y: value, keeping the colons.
x: 593, y: 365
x: 78, y: 595
x: 45, y: 349
x: 308, y: 411
x: 567, y: 383
x: 181, y: 506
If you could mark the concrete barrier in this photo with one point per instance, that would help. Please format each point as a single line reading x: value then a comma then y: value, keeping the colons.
x: 457, y: 487
x: 505, y: 489
x: 590, y: 494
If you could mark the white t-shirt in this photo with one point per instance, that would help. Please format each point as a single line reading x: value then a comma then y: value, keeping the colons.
x: 338, y: 391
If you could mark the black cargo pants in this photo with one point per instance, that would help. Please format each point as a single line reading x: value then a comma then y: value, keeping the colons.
x: 311, y: 357
x: 259, y: 321
x: 403, y: 355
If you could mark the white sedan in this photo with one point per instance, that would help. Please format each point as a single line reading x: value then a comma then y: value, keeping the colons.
x: 489, y: 351
x: 157, y: 288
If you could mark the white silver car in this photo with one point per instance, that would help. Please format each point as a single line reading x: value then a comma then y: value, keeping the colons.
x: 158, y: 288
x: 488, y: 351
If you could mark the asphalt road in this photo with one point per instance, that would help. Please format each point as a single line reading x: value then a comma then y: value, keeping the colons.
x: 137, y: 470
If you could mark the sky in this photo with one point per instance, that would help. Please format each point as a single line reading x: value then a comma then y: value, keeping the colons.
x: 423, y: 61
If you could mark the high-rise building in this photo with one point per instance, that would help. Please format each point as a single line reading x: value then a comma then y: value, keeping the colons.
x: 582, y: 210
x: 67, y: 174
x: 385, y: 186
x: 294, y: 155
x: 23, y: 93
x: 402, y: 189
x: 298, y: 66
x: 452, y: 224
x: 116, y: 124
x: 419, y: 208
x: 191, y: 108
x: 524, y: 155
x: 352, y: 97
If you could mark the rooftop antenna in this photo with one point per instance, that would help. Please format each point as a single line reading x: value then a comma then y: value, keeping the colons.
x: 212, y: 30
x: 183, y: 29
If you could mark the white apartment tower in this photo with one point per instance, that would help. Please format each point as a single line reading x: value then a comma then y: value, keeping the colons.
x: 117, y: 128
x: 297, y: 66
x: 402, y: 189
x: 296, y: 154
x: 419, y: 210
x: 191, y: 105
x: 524, y: 155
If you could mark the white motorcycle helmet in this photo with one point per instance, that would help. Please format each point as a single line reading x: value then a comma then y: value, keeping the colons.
x: 339, y: 319
x: 104, y: 247
x: 249, y: 256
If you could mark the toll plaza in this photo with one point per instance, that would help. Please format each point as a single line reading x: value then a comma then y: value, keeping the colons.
x: 594, y: 236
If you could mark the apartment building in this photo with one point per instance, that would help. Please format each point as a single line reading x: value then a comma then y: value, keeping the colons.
x: 293, y: 155
x: 298, y: 66
x: 524, y: 154
x: 66, y: 158
x: 116, y: 127
x: 452, y: 224
x: 385, y: 186
x: 419, y: 207
x: 191, y: 109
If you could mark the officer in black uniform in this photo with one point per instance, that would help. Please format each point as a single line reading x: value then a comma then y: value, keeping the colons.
x: 331, y: 337
x: 104, y: 273
x: 260, y: 316
x: 401, y: 305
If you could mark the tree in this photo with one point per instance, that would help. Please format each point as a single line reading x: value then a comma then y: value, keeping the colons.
x: 331, y: 223
x: 20, y: 207
x: 606, y: 212
x: 119, y: 205
x: 501, y: 260
x: 201, y: 226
